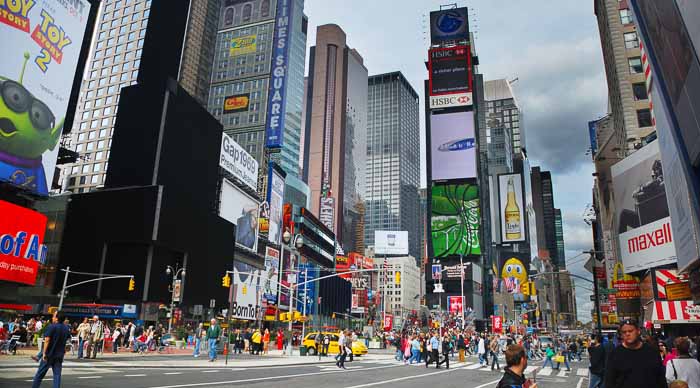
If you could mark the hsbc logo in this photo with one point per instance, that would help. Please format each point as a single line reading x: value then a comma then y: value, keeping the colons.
x: 450, y: 100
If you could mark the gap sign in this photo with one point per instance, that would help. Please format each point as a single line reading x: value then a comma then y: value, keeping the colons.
x: 21, y: 243
x: 277, y: 94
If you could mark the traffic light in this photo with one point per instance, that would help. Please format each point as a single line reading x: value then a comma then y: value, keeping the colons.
x: 297, y: 316
x: 525, y: 288
x: 533, y: 290
x: 226, y: 281
x: 132, y: 284
x: 284, y: 317
x: 397, y: 279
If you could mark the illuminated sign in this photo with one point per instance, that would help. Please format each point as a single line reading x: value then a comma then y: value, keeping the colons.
x: 21, y: 243
x: 276, y: 107
x: 450, y: 70
x: 243, y: 45
x: 237, y: 103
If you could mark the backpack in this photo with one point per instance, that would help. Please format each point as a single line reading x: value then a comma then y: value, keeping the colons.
x: 326, y: 340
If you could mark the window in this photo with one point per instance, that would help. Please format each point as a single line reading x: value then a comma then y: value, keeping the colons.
x: 247, y: 11
x: 631, y: 40
x: 640, y: 91
x: 625, y: 16
x: 644, y: 118
x: 635, y: 65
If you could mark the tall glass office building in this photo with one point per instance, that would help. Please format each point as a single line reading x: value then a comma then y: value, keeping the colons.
x: 241, y: 77
x: 393, y: 159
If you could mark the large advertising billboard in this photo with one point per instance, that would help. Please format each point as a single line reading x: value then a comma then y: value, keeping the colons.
x: 452, y: 146
x: 450, y: 70
x: 236, y: 103
x: 306, y: 293
x: 242, y: 45
x: 510, y: 189
x: 641, y: 211
x: 275, y: 194
x: 40, y: 48
x: 455, y: 220
x: 277, y: 100
x: 390, y: 242
x: 21, y: 243
x: 246, y: 292
x: 238, y: 162
x: 449, y: 24
x: 271, y: 275
x: 241, y: 210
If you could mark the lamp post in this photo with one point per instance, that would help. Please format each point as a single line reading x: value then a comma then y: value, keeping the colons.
x: 295, y: 242
x: 175, y: 272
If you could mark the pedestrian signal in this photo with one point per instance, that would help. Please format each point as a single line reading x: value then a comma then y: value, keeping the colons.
x: 226, y: 281
x: 397, y: 280
x: 132, y: 284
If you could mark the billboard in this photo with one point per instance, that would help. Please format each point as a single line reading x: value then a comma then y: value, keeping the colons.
x: 514, y: 274
x: 41, y: 46
x: 236, y: 103
x: 275, y: 193
x: 21, y: 243
x: 246, y: 292
x: 276, y: 107
x: 306, y: 293
x: 390, y: 242
x: 450, y: 100
x: 455, y: 304
x: 450, y: 70
x: 436, y: 270
x: 238, y: 162
x: 271, y: 275
x: 455, y: 220
x: 449, y: 24
x: 243, y: 45
x: 327, y: 213
x: 510, y: 189
x: 241, y: 210
x: 641, y: 211
x: 452, y: 146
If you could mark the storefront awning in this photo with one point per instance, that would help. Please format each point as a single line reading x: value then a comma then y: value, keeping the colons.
x: 679, y: 311
x: 16, y: 307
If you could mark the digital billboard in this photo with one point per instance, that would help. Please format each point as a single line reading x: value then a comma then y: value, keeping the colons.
x: 641, y: 212
x: 449, y: 24
x: 390, y: 242
x: 277, y: 99
x: 238, y: 162
x: 450, y: 70
x: 236, y: 103
x: 40, y: 52
x: 241, y: 210
x: 452, y: 146
x: 455, y: 220
x: 512, y: 210
x: 275, y: 194
x: 21, y: 243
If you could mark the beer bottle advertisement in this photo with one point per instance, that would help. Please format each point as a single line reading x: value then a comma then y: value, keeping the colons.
x: 511, y: 202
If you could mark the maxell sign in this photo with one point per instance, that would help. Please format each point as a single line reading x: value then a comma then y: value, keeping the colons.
x: 451, y: 100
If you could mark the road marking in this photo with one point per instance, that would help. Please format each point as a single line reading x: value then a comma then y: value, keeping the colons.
x: 172, y: 373
x: 270, y: 378
x: 134, y: 375
x: 474, y: 366
x: 90, y: 377
x: 211, y: 371
x: 403, y: 378
x: 530, y: 369
x: 582, y: 372
x: 580, y: 383
x: 545, y: 371
x: 487, y: 384
x: 562, y: 374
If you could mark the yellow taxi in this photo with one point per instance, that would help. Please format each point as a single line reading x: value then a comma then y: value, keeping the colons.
x: 358, y: 347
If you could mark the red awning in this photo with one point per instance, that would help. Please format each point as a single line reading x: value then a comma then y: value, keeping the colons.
x: 678, y: 311
x: 17, y: 307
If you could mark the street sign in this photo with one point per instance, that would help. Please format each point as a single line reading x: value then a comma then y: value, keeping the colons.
x: 438, y: 288
x: 198, y: 309
x: 212, y: 303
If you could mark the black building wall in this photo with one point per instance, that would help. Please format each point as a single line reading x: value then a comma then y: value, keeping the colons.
x: 335, y: 294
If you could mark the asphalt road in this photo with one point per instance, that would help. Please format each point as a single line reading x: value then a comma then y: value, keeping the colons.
x: 360, y: 374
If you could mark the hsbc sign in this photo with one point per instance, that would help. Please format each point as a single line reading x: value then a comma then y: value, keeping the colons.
x: 451, y: 100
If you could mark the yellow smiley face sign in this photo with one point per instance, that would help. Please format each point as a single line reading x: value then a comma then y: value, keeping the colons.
x: 514, y: 268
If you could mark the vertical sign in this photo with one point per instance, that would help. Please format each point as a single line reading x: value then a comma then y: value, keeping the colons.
x: 177, y: 286
x: 327, y: 213
x: 510, y: 188
x: 275, y: 194
x: 497, y: 323
x: 277, y: 95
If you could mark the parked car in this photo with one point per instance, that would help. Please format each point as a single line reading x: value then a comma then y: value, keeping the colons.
x: 358, y: 347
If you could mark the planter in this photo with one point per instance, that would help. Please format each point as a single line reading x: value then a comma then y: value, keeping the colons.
x: 179, y: 344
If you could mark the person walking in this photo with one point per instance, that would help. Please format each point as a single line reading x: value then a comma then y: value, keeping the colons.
x: 199, y: 333
x: 516, y: 363
x: 434, y: 348
x: 238, y: 342
x: 461, y: 346
x: 341, y: 344
x: 256, y: 342
x: 280, y: 339
x: 494, y: 347
x: 96, y: 336
x: 634, y: 363
x: 83, y: 336
x: 266, y: 342
x: 481, y: 351
x: 318, y: 342
x: 415, y: 350
x: 343, y: 349
x: 549, y: 353
x: 446, y: 348
x: 213, y: 334
x: 55, y: 338
x: 684, y: 368
x: 326, y: 344
x: 115, y: 338
x: 596, y: 355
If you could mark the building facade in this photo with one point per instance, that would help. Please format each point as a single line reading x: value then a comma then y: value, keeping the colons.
x: 335, y: 140
x: 113, y: 63
x: 242, y: 73
x: 393, y: 159
x: 403, y: 296
x: 504, y: 138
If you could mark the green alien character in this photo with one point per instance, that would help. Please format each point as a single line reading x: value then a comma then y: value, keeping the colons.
x: 27, y: 129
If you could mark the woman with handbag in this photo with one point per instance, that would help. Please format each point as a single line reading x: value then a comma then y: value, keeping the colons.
x: 562, y: 358
x: 684, y: 368
x: 549, y: 353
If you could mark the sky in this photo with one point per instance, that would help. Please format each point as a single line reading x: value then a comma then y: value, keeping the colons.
x: 552, y: 48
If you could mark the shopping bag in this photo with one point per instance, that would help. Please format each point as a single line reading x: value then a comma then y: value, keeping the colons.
x: 559, y: 359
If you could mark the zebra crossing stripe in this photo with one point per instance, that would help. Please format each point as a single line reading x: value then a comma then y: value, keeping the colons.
x: 545, y: 371
x: 582, y: 372
x: 474, y: 366
x: 562, y: 374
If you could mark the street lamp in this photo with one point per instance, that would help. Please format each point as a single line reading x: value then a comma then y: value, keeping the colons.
x: 295, y: 242
x: 175, y: 272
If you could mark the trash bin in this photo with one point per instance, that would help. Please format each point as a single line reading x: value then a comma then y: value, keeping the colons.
x: 302, y: 350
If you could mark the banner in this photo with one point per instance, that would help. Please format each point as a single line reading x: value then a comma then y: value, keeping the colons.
x: 242, y: 45
x: 41, y: 43
x: 21, y: 243
x: 241, y: 210
x: 238, y: 162
x: 277, y: 99
x: 497, y: 324
x: 455, y: 304
x: 388, y: 322
x: 246, y: 292
x: 275, y: 193
x: 271, y: 275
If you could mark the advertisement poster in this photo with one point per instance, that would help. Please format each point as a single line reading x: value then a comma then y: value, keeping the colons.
x: 436, y: 270
x: 306, y: 293
x: 238, y: 162
x: 390, y: 242
x: 271, y: 275
x: 497, y: 324
x: 388, y: 322
x: 276, y: 199
x: 454, y: 221
x: 21, y: 243
x: 237, y: 103
x: 449, y: 24
x: 276, y: 107
x: 241, y: 210
x: 456, y: 305
x: 327, y: 213
x: 242, y: 45
x: 510, y: 187
x: 246, y: 292
x: 452, y: 146
x: 514, y: 274
x: 41, y: 44
x: 641, y: 211
x: 450, y: 70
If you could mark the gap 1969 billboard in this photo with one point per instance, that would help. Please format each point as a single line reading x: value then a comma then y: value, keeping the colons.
x: 455, y: 220
x: 40, y: 45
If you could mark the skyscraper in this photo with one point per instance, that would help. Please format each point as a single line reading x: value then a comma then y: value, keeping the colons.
x: 335, y: 146
x: 393, y: 160
x: 504, y: 138
x: 559, y: 234
x: 113, y: 63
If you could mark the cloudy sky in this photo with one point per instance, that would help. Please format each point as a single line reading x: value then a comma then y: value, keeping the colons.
x: 553, y: 48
